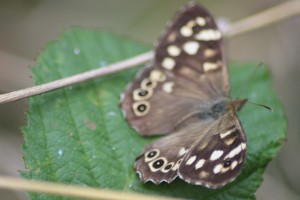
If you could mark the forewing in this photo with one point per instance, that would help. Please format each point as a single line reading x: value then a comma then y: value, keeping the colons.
x: 191, y: 50
x: 216, y: 159
x: 187, y: 75
x: 157, y: 111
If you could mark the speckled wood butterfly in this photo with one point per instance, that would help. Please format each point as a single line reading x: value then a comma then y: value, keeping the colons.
x: 185, y: 92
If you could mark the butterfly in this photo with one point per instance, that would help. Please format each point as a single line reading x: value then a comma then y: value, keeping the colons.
x: 185, y: 94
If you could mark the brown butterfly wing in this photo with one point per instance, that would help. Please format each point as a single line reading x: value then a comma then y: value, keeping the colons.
x: 191, y: 49
x: 187, y: 76
x: 209, y: 153
x: 218, y: 158
x: 165, y: 111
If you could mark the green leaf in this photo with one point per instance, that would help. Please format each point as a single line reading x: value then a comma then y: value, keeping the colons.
x: 77, y: 135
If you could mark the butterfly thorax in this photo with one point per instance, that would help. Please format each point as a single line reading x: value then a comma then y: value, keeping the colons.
x: 220, y: 108
x: 213, y: 111
x: 223, y: 106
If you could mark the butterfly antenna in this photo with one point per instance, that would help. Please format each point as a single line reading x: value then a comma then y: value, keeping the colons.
x: 249, y: 79
x: 261, y: 105
x: 246, y: 82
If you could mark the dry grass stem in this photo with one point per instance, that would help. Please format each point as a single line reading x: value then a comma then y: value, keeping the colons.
x: 71, y: 190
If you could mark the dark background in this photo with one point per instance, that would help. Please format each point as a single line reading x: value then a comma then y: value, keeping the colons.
x: 26, y: 26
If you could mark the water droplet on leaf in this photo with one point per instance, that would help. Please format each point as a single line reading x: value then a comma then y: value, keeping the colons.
x: 77, y: 51
x: 111, y: 113
x: 60, y: 152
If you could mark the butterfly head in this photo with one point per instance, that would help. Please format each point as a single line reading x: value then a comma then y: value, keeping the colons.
x: 236, y: 105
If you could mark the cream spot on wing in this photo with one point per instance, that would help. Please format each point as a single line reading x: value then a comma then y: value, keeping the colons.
x: 216, y: 154
x: 168, y: 63
x: 200, y: 163
x: 201, y: 21
x: 218, y: 168
x: 191, y: 47
x: 208, y: 35
x: 186, y: 31
x: 208, y: 53
x: 203, y: 174
x: 223, y: 170
x: 208, y: 66
x: 148, y: 84
x: 191, y: 160
x: 176, y: 166
x: 173, y: 50
x: 171, y: 37
x: 157, y: 76
x: 241, y: 160
x: 243, y: 146
x: 229, y: 141
x: 185, y: 71
x: 191, y: 23
x: 233, y: 164
x: 222, y: 135
x: 182, y: 151
x: 234, y: 151
x: 168, y: 87
x: 203, y: 145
